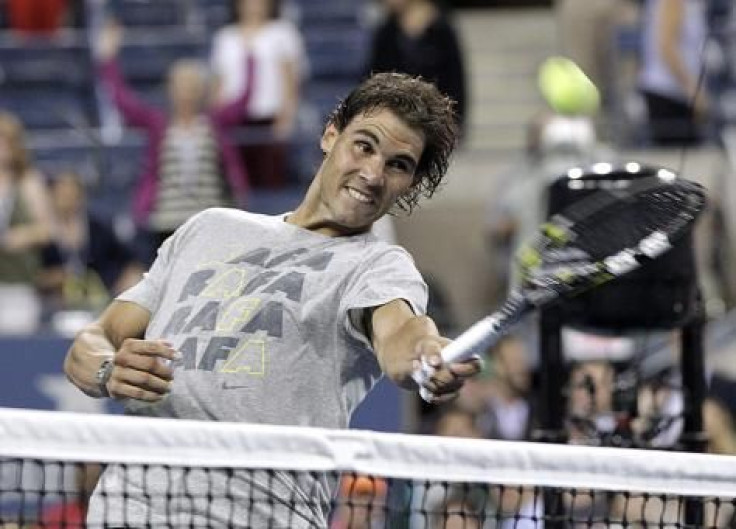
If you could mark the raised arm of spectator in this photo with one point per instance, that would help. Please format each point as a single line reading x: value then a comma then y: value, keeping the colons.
x: 135, y: 111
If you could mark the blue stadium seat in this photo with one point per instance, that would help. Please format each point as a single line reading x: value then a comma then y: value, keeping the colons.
x: 328, y: 12
x: 325, y: 95
x: 120, y: 172
x: 111, y: 171
x: 214, y: 13
x: 43, y: 64
x: 123, y: 163
x: 148, y: 13
x: 151, y: 62
x: 337, y: 53
x: 153, y: 93
x: 46, y: 108
x: 51, y: 161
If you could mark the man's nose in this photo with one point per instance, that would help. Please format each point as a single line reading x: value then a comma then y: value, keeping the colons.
x: 373, y: 170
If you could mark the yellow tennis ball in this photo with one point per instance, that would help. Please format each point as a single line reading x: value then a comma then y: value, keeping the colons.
x: 566, y: 88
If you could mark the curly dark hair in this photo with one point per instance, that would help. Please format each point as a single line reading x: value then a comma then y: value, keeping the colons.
x: 421, y: 106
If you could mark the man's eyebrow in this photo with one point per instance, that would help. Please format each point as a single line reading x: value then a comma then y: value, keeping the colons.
x: 374, y: 138
x: 370, y: 134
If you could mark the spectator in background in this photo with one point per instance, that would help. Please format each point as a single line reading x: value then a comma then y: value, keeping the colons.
x: 590, y: 402
x: 719, y: 423
x: 71, y: 511
x: 674, y: 33
x: 25, y: 226
x: 500, y: 399
x: 461, y: 511
x: 418, y: 38
x: 280, y: 59
x: 719, y: 414
x: 86, y: 263
x: 190, y: 164
x: 428, y: 499
x: 361, y: 503
x: 36, y: 17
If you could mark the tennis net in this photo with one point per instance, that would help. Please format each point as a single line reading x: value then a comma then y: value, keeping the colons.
x: 176, y: 473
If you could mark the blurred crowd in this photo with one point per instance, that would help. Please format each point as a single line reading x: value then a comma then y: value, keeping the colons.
x: 62, y: 259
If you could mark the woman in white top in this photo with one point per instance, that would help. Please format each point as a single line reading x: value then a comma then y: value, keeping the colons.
x: 278, y: 50
x: 673, y: 38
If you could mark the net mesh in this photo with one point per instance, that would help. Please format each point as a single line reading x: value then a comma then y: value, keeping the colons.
x: 175, y: 473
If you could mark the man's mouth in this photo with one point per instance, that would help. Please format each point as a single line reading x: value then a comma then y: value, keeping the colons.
x: 360, y: 196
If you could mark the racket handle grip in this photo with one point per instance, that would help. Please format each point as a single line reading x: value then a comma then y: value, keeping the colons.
x: 475, y: 340
x: 471, y: 343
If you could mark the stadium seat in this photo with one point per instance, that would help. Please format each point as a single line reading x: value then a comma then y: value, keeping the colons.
x: 81, y: 159
x: 150, y: 62
x: 328, y: 12
x: 338, y: 53
x: 43, y: 64
x: 325, y: 94
x: 46, y: 108
x: 213, y: 13
x: 149, y: 13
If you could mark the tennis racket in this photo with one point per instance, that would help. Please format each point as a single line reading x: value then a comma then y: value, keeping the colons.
x: 621, y: 226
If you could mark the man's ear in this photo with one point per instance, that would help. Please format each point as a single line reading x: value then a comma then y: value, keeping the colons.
x: 329, y: 136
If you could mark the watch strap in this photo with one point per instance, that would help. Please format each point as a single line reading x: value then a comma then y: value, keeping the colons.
x: 103, y: 375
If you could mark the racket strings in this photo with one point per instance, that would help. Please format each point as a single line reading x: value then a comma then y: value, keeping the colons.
x: 625, y: 223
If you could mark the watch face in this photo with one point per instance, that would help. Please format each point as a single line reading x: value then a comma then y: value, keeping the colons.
x: 103, y: 373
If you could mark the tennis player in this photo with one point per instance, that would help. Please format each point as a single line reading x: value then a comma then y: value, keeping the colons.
x: 286, y: 319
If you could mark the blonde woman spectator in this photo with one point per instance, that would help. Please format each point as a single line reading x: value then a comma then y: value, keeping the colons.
x: 280, y: 60
x: 190, y: 163
x: 24, y: 228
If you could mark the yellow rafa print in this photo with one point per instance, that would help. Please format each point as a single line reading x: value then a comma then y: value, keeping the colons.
x: 249, y: 357
x: 226, y: 285
x: 236, y: 314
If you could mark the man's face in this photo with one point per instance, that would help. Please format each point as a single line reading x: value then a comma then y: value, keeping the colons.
x: 367, y: 167
x: 67, y: 194
x: 186, y: 88
x: 254, y: 10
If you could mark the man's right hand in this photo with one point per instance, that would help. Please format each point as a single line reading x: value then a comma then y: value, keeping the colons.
x: 142, y: 370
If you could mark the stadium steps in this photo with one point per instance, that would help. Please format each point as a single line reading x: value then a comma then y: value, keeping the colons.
x: 503, y: 49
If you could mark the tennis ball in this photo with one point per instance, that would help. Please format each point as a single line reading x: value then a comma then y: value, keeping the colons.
x: 566, y: 88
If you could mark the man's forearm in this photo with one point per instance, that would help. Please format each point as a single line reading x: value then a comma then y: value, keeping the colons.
x: 397, y: 334
x: 84, y: 358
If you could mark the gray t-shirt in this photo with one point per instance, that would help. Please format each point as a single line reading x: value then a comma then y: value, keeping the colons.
x: 264, y: 314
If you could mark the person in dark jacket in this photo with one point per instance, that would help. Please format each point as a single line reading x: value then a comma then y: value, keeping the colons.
x: 418, y: 38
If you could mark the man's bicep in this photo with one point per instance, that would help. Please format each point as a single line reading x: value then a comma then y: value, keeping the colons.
x: 122, y: 320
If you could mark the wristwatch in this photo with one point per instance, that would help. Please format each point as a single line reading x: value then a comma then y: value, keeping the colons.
x: 103, y: 375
